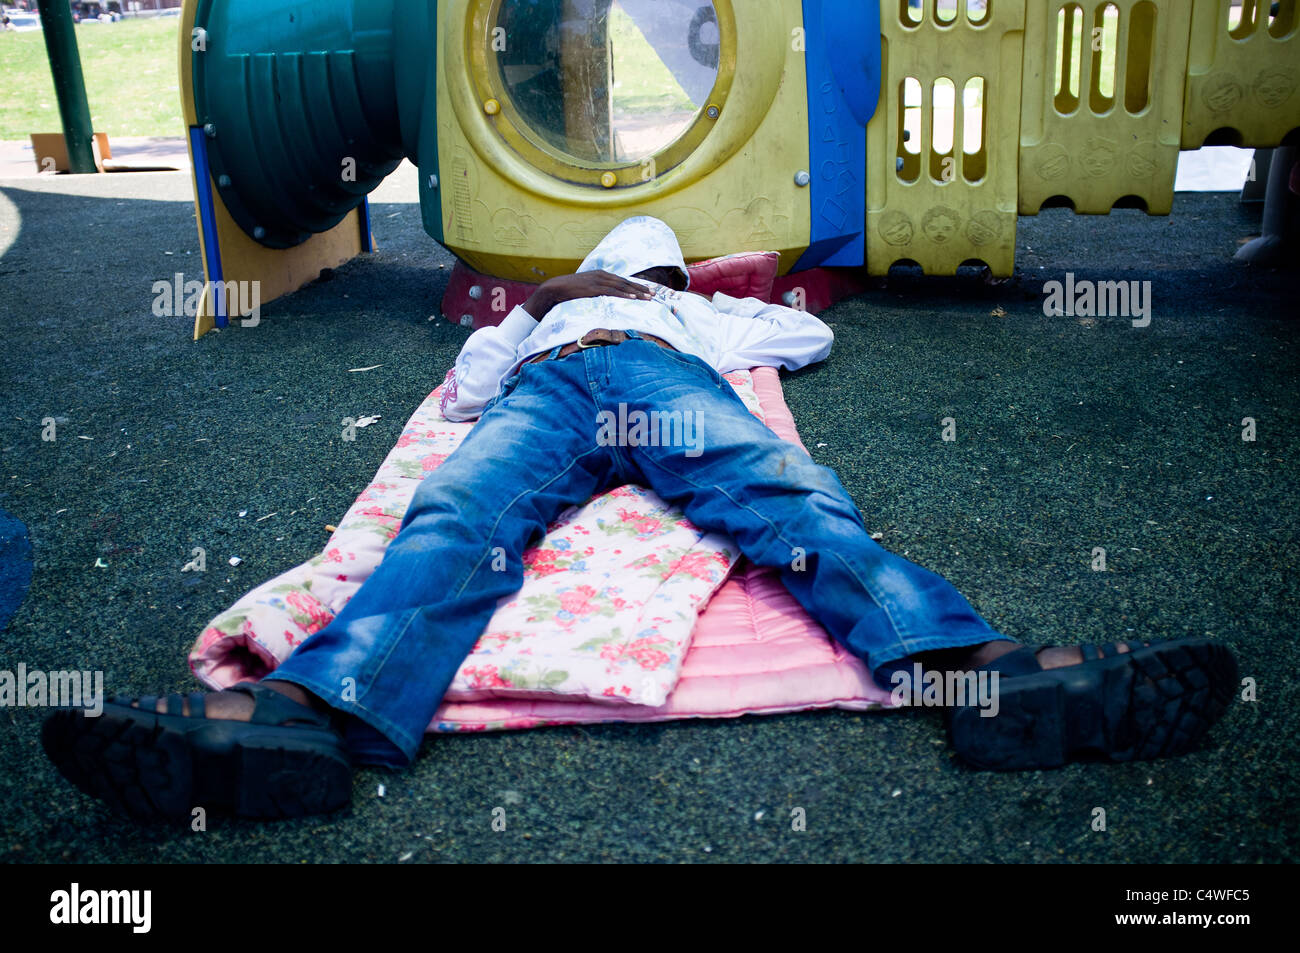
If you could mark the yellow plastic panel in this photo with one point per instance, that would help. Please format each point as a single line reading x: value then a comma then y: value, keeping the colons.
x: 279, y: 271
x: 1242, y: 74
x: 1103, y: 102
x: 507, y: 214
x: 948, y: 194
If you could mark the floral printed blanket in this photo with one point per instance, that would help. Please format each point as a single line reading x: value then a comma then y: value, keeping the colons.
x: 610, y: 597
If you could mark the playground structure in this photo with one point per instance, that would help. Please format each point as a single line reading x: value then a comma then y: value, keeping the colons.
x: 837, y: 133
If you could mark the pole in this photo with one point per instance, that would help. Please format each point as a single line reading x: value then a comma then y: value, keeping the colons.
x: 69, y: 85
x: 1279, y: 242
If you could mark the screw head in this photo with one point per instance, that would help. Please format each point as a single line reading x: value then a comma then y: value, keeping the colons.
x: 223, y: 181
x: 466, y: 320
x: 608, y: 179
x: 475, y: 292
x: 210, y: 130
x: 712, y: 111
x: 433, y: 181
x: 491, y: 107
x: 259, y: 232
x: 802, y: 178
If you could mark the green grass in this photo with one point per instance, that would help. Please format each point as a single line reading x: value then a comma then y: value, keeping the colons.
x: 643, y: 85
x: 131, y: 80
x: 1081, y: 45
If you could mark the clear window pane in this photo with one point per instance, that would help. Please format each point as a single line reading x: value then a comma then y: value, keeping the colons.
x: 608, y: 80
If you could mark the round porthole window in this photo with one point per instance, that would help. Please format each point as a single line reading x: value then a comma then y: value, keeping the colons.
x: 604, y: 92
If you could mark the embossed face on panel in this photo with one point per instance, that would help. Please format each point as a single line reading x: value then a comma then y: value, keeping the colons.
x: 607, y: 80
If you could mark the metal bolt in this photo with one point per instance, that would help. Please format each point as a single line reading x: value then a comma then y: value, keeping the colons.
x: 223, y: 181
x: 466, y: 320
x: 259, y: 232
x: 433, y: 181
x: 475, y: 292
x: 802, y: 178
x: 608, y: 180
x: 788, y: 299
x: 898, y: 164
x: 712, y: 112
x: 210, y: 130
x: 491, y: 107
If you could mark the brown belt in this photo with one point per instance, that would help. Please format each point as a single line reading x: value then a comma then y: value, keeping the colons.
x: 598, y: 337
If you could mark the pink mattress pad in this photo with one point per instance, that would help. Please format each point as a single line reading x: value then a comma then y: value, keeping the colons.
x: 754, y: 651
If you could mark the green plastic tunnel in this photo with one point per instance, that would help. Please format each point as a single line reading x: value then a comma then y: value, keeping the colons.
x: 307, y: 106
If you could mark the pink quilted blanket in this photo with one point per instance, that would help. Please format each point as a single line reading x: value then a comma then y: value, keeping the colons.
x: 606, y: 626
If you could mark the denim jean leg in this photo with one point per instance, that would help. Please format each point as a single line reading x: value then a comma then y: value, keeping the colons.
x: 391, y: 653
x: 786, y: 511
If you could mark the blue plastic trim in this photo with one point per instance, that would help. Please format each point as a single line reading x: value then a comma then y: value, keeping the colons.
x: 366, y: 244
x: 856, y: 64
x: 207, y: 217
x: 842, y: 62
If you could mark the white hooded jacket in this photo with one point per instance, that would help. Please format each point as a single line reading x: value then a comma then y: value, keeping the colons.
x: 728, y: 333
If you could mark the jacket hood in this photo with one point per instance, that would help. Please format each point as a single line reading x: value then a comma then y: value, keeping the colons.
x: 636, y: 244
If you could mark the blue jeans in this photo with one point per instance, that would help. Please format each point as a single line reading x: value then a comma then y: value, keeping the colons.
x: 390, y: 655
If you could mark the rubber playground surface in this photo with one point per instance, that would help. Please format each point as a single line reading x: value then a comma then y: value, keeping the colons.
x: 1072, y: 433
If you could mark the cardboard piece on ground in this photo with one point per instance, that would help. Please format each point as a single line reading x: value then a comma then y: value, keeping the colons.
x: 51, y: 151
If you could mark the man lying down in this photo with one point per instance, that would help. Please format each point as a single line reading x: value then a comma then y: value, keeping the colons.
x: 619, y: 336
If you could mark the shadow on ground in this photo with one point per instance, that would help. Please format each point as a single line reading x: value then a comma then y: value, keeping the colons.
x: 1071, y: 434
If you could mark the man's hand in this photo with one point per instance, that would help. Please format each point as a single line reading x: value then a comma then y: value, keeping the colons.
x: 588, y: 284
